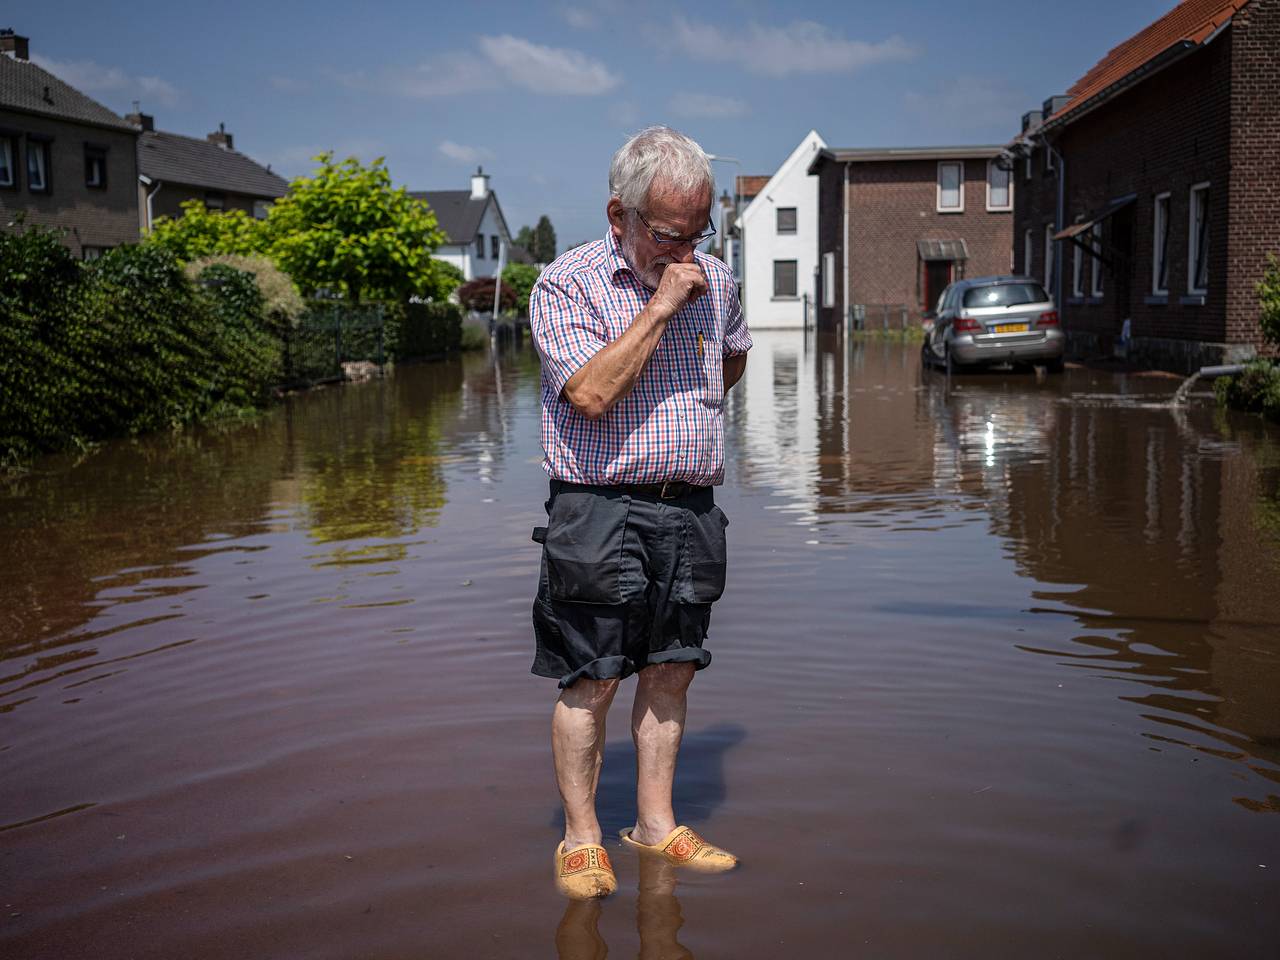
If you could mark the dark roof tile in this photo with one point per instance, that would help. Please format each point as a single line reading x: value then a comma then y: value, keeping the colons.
x: 458, y: 213
x: 32, y: 89
x: 178, y: 159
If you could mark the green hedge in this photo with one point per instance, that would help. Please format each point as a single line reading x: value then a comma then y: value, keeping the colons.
x: 122, y: 345
x: 425, y: 330
x: 1256, y: 390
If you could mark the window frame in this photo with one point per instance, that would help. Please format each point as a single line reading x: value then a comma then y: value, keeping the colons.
x: 959, y: 187
x: 829, y: 279
x: 92, y: 152
x: 40, y: 147
x: 795, y: 280
x: 795, y: 221
x: 215, y: 200
x: 478, y: 247
x: 1194, y: 245
x: 1077, y: 271
x: 1008, y: 205
x: 1049, y: 165
x: 1095, y: 244
x: 11, y: 141
x: 1160, y: 242
x: 495, y: 244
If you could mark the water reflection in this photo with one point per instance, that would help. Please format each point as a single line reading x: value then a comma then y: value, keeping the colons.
x: 659, y: 918
x: 1155, y: 530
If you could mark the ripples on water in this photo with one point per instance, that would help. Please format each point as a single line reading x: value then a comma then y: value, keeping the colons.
x: 997, y: 668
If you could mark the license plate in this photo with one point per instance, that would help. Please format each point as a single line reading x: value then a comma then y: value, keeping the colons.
x: 1010, y: 328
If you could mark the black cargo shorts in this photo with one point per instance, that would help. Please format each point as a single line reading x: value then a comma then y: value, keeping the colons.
x: 627, y: 579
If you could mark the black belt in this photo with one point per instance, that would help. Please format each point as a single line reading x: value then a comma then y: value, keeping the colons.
x: 667, y: 490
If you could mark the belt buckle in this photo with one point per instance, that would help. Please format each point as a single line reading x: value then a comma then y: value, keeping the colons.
x: 662, y: 494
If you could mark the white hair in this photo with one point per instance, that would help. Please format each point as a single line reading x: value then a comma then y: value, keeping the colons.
x: 663, y: 155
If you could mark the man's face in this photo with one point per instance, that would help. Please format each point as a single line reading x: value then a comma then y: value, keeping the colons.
x: 670, y: 214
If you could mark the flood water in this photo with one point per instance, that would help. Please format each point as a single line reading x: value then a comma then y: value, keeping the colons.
x: 997, y: 674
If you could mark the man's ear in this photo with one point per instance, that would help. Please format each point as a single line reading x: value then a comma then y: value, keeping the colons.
x: 617, y: 215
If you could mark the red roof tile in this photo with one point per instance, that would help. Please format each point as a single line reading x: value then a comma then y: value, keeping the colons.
x: 1193, y: 20
x: 750, y: 186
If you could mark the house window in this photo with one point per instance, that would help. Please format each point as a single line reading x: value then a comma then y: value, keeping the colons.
x: 1160, y: 246
x: 786, y: 220
x: 1026, y: 166
x: 950, y: 187
x: 214, y: 200
x: 37, y: 166
x: 784, y: 278
x: 8, y: 151
x: 1048, y: 158
x: 1048, y: 256
x: 479, y: 246
x: 1077, y: 270
x: 92, y: 253
x: 1198, y: 240
x: 1028, y: 244
x: 999, y: 187
x: 95, y: 167
x: 828, y: 279
x: 494, y: 245
x: 1095, y: 244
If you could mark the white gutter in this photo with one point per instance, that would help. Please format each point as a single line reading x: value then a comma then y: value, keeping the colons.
x: 150, y: 196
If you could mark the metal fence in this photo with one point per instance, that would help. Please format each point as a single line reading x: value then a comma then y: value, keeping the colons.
x: 331, y: 333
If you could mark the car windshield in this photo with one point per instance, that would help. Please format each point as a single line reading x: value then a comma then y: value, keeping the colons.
x: 1005, y: 295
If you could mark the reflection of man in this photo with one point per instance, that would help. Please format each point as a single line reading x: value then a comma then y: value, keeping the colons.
x: 641, y: 337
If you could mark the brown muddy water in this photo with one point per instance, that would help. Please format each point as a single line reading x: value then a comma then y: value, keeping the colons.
x: 997, y: 674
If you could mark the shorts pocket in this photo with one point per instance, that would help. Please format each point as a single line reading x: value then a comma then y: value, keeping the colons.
x: 706, y: 555
x: 583, y: 547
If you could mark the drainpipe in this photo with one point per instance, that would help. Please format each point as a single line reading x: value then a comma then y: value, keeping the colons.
x: 844, y: 245
x: 1059, y: 223
x: 146, y: 181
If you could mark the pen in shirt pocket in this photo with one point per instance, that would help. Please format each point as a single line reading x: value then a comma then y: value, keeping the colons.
x: 699, y: 343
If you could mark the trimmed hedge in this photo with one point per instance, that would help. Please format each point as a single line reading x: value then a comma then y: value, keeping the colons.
x: 424, y: 330
x: 122, y: 345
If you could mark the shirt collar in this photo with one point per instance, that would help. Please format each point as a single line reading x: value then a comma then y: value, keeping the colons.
x: 614, y: 259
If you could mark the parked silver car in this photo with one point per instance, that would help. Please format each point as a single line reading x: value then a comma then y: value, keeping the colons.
x: 991, y: 320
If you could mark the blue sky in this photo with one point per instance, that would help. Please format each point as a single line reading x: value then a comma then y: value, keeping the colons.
x: 542, y: 94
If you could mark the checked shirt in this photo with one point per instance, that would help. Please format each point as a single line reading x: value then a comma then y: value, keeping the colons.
x: 671, y: 425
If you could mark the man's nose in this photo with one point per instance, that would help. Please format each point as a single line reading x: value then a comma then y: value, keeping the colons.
x: 686, y: 256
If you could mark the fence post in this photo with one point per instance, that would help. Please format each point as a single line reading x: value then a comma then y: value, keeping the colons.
x: 337, y: 341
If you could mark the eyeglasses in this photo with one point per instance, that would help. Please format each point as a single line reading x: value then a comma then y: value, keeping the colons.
x: 664, y: 241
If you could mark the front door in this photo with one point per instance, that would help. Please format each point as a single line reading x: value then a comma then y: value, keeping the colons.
x: 937, y: 274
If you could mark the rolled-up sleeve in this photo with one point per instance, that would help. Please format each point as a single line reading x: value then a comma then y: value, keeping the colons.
x: 566, y: 331
x: 737, y: 338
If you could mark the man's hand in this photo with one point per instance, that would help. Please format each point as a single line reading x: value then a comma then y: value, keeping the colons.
x: 681, y: 284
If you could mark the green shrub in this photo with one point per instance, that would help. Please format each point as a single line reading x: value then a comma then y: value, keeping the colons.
x: 425, y: 330
x: 1256, y: 390
x: 247, y: 354
x: 282, y: 303
x: 1269, y: 301
x: 520, y: 277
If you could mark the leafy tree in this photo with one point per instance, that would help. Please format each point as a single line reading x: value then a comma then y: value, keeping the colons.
x: 200, y: 232
x: 345, y: 228
x: 525, y: 238
x: 520, y: 277
x: 544, y: 241
x: 447, y: 278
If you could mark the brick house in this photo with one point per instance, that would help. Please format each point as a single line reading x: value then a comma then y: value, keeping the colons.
x: 1148, y: 193
x: 896, y: 225
x: 66, y: 161
x: 174, y: 168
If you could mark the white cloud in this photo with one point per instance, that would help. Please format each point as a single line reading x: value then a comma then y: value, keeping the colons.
x: 706, y: 105
x: 289, y: 84
x: 463, y: 153
x: 802, y: 46
x: 93, y: 78
x: 449, y: 75
x: 547, y: 69
x: 579, y: 18
x: 970, y: 106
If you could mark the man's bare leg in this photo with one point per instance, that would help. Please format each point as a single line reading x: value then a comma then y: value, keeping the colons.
x: 577, y: 743
x: 657, y: 725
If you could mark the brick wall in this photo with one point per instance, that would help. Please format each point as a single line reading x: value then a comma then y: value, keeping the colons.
x: 168, y: 202
x: 1253, y: 221
x: 91, y: 217
x: 892, y: 205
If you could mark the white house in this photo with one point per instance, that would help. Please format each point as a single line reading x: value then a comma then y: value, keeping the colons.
x: 474, y: 226
x: 779, y: 230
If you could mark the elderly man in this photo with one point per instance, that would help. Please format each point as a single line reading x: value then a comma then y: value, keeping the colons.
x: 641, y: 336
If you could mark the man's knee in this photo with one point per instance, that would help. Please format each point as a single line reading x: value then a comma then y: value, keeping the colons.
x: 587, y: 694
x: 667, y: 677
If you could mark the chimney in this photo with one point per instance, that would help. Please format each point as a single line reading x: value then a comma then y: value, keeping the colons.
x: 143, y: 121
x: 479, y: 184
x: 1032, y: 119
x: 1054, y: 104
x: 221, y: 137
x: 14, y: 45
